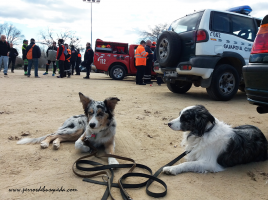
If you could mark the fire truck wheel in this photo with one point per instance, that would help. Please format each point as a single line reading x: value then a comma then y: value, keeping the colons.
x: 117, y: 72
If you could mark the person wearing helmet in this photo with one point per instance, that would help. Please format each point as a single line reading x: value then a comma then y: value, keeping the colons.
x: 67, y: 64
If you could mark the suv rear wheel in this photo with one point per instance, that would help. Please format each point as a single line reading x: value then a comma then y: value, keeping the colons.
x: 180, y: 87
x: 117, y: 72
x: 168, y: 49
x: 224, y: 83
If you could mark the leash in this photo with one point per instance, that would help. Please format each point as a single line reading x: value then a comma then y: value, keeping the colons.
x: 101, y: 169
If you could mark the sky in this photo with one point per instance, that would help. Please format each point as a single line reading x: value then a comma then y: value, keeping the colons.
x: 112, y: 20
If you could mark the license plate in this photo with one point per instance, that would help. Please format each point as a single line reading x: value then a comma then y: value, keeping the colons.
x: 171, y: 74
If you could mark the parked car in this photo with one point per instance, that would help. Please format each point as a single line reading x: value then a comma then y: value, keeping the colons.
x: 208, y: 49
x: 256, y: 72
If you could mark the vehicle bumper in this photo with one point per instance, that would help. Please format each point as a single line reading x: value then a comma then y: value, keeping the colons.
x: 201, y: 66
x: 256, y: 83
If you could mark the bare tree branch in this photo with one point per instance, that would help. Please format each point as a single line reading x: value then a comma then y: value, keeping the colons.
x: 154, y: 32
x: 13, y: 35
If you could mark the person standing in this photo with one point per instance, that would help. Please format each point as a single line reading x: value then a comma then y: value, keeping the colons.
x: 141, y: 56
x: 73, y: 58
x: 159, y: 79
x: 25, y: 61
x: 149, y: 63
x: 4, y: 53
x: 67, y: 64
x: 12, y: 57
x: 78, y: 62
x: 33, y: 52
x: 53, y: 48
x: 61, y: 57
x: 88, y: 59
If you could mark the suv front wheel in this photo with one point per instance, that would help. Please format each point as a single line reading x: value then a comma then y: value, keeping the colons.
x: 224, y: 83
x: 180, y: 87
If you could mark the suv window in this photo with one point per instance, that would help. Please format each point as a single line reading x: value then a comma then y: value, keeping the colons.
x: 187, y: 23
x: 243, y: 27
x: 220, y: 22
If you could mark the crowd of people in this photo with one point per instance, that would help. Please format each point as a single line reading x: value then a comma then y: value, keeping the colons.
x: 65, y: 59
x: 145, y: 56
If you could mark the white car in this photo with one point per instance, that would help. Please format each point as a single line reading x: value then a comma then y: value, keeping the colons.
x: 209, y: 49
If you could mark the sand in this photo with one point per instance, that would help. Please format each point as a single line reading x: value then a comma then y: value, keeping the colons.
x: 40, y: 106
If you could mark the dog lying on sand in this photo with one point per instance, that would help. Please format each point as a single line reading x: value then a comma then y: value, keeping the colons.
x: 97, y: 126
x: 214, y: 145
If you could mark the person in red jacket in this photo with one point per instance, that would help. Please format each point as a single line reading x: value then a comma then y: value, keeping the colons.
x: 61, y: 57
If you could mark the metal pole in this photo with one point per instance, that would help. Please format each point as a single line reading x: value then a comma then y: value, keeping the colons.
x: 91, y: 23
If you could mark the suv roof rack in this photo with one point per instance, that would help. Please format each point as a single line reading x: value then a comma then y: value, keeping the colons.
x: 245, y: 10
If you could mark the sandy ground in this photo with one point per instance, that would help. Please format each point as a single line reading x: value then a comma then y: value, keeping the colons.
x: 40, y: 106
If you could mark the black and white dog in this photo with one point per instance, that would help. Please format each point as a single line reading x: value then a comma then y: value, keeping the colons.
x: 214, y: 145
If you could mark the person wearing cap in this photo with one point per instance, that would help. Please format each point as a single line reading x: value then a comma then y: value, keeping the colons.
x: 140, y: 56
x: 33, y: 52
x: 88, y: 59
x: 61, y: 57
x: 53, y: 47
x: 12, y: 57
x: 24, y: 46
x: 4, y: 53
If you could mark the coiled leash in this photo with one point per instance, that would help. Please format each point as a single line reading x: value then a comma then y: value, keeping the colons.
x: 103, y: 170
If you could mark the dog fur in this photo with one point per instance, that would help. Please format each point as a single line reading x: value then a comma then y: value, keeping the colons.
x: 97, y: 126
x: 214, y: 145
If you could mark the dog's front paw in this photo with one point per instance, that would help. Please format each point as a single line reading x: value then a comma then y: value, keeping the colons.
x: 80, y: 145
x: 56, y: 145
x: 170, y: 170
x: 44, y: 145
x: 112, y: 161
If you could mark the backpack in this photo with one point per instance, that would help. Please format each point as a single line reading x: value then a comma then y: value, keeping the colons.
x: 29, y: 55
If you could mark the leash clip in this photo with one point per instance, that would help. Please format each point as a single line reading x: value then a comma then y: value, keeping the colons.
x: 106, y: 177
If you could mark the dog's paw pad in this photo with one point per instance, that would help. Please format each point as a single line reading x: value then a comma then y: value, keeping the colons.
x: 169, y: 171
x: 113, y: 161
x: 44, y: 145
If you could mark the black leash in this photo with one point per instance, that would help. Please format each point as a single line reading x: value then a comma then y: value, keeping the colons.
x: 101, y: 169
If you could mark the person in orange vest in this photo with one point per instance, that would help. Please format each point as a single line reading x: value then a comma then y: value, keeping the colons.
x: 141, y: 56
x: 78, y: 62
x: 33, y: 52
x: 61, y: 57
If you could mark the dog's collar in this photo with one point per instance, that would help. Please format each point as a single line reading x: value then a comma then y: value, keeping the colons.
x: 210, y: 128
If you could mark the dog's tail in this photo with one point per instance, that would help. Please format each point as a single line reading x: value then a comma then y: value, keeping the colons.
x: 32, y: 140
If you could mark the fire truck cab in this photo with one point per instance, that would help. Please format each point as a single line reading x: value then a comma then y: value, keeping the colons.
x: 115, y: 59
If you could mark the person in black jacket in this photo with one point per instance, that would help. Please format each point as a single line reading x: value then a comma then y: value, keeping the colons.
x: 149, y: 63
x: 24, y: 46
x: 78, y: 62
x: 12, y: 57
x: 33, y: 52
x: 53, y: 47
x: 88, y: 58
x: 4, y: 53
x: 73, y: 58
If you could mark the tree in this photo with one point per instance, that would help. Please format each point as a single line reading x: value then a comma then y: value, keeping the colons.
x: 13, y: 35
x: 154, y: 32
x: 50, y: 35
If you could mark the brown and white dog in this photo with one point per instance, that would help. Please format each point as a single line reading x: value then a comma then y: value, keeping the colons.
x: 97, y: 126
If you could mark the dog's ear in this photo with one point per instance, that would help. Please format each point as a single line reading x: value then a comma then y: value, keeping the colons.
x: 111, y: 102
x: 202, y: 117
x: 84, y: 100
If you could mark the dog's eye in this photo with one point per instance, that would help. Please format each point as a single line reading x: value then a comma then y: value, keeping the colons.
x: 90, y: 113
x: 100, y: 114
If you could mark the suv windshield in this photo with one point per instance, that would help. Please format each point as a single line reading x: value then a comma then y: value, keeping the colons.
x: 187, y: 23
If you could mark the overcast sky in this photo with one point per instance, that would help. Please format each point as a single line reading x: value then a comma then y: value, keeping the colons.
x: 113, y: 20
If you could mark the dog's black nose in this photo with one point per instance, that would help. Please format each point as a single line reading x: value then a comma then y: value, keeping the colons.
x: 92, y: 125
x: 169, y: 124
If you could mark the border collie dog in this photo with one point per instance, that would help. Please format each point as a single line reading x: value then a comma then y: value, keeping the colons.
x: 97, y: 126
x: 214, y: 145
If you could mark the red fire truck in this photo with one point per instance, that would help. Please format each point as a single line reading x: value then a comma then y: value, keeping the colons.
x: 115, y: 59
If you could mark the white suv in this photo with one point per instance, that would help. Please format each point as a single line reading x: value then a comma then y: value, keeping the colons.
x: 209, y: 49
